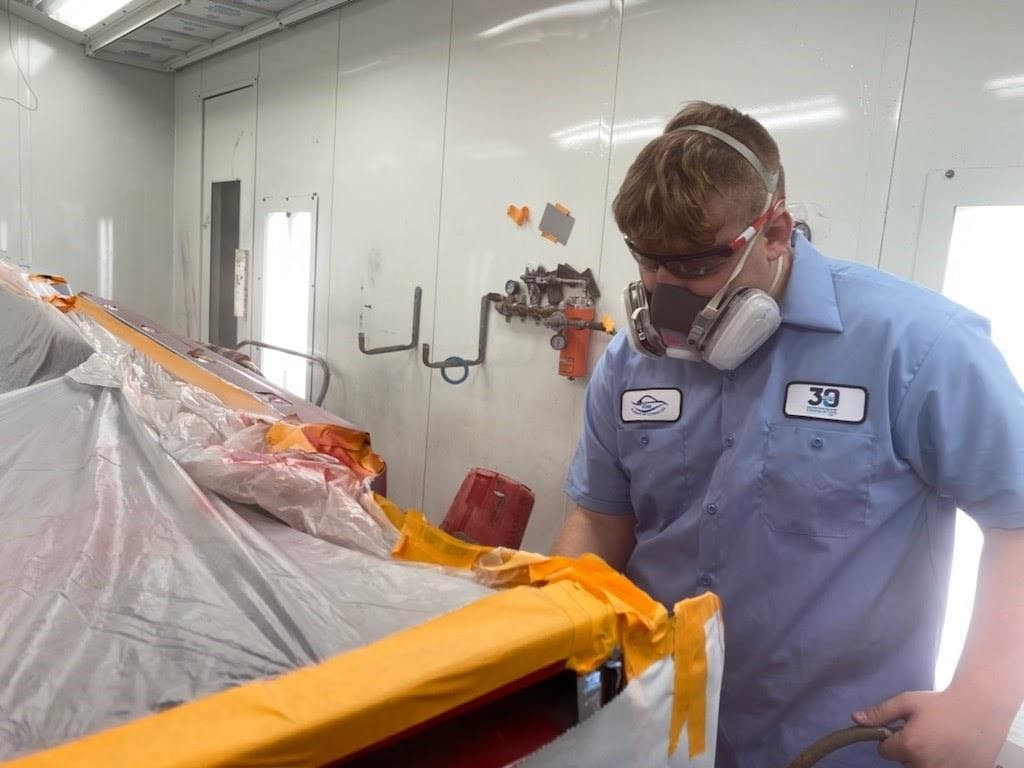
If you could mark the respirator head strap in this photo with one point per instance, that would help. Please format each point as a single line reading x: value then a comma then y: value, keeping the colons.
x: 770, y: 179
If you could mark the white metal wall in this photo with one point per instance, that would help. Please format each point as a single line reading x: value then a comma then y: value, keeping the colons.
x: 445, y: 111
x: 10, y: 154
x: 520, y: 79
x: 963, y: 108
x: 392, y: 84
x: 85, y: 179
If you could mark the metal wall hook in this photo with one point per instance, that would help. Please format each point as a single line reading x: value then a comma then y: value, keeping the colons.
x: 459, y: 362
x: 416, y: 298
x: 312, y: 358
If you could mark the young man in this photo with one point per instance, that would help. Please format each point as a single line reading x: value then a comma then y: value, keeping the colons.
x: 795, y: 434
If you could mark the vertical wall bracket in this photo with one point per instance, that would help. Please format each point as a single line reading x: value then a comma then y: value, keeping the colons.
x: 417, y: 296
x: 460, y: 362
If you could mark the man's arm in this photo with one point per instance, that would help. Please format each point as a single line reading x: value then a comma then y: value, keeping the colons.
x: 965, y: 725
x: 610, y: 537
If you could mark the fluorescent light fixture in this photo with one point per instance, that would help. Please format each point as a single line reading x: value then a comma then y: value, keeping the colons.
x: 572, y: 10
x: 643, y: 129
x: 799, y: 114
x: 599, y: 131
x: 582, y: 134
x: 83, y: 14
x: 1006, y: 87
x: 362, y: 67
x: 793, y: 114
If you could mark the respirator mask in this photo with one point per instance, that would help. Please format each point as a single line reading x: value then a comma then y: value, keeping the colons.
x: 725, y: 329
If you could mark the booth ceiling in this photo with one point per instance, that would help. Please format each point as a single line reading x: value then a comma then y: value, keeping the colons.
x: 165, y: 35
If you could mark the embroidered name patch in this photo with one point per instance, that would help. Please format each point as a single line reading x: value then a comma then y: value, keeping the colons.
x: 826, y: 402
x: 652, y: 405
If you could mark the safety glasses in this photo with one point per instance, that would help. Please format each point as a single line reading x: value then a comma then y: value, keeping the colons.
x: 703, y: 262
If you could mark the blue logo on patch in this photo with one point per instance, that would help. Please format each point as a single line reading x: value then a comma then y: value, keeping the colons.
x: 648, y: 405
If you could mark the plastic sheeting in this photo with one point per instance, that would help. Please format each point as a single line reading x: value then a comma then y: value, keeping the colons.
x: 37, y: 342
x: 225, y: 450
x: 128, y: 585
x: 126, y: 589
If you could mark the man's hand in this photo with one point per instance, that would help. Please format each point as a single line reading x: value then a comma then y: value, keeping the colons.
x: 943, y: 730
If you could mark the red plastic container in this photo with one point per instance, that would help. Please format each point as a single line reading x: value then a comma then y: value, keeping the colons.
x: 489, y: 509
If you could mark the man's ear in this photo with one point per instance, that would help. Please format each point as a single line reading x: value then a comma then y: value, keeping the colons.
x: 778, y: 233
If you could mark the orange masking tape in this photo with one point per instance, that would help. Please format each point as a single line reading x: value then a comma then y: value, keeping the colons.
x: 519, y: 215
x: 325, y: 712
x: 642, y: 627
x: 691, y: 671
x: 349, y: 446
x: 187, y: 371
x: 63, y: 303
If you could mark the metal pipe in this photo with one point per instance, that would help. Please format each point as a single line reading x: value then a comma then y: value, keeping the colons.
x: 312, y: 358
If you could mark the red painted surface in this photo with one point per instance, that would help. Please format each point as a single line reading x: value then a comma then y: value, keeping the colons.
x: 490, y: 509
x: 493, y: 731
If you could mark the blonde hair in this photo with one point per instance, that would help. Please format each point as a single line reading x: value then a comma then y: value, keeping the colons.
x: 664, y: 197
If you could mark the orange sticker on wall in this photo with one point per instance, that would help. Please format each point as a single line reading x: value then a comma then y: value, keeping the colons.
x: 519, y: 215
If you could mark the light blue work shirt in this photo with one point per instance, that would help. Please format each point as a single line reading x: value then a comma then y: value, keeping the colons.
x: 828, y: 538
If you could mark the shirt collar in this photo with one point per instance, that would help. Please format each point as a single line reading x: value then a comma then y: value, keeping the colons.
x: 810, y: 298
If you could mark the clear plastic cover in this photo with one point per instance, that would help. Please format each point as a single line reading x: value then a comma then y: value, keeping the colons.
x: 128, y: 585
x: 37, y: 342
x: 155, y: 551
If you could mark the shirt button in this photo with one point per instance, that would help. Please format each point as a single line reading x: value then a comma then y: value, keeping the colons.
x: 730, y: 440
x: 817, y: 442
x: 707, y: 580
x: 731, y: 375
x: 711, y: 509
x: 645, y: 440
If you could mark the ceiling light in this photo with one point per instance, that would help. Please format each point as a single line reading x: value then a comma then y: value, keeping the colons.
x: 83, y: 14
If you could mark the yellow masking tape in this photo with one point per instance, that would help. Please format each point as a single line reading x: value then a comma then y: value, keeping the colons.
x: 421, y: 542
x: 691, y: 671
x: 577, y: 611
x: 642, y: 624
x: 323, y: 713
x: 392, y: 510
x: 187, y: 371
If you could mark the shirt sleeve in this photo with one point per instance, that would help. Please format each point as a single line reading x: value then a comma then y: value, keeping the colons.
x: 596, y: 480
x: 960, y: 424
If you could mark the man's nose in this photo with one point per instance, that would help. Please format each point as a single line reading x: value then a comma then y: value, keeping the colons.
x: 664, y: 275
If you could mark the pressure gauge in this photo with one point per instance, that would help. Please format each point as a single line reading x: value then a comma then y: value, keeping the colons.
x: 558, y: 342
x: 512, y: 287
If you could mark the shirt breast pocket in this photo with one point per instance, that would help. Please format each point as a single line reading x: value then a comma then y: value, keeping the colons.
x: 817, y: 482
x: 654, y: 461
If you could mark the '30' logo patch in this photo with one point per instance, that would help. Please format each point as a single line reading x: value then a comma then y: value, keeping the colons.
x: 827, y: 402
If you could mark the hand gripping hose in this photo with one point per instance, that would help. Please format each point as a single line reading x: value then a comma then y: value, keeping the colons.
x: 834, y: 741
